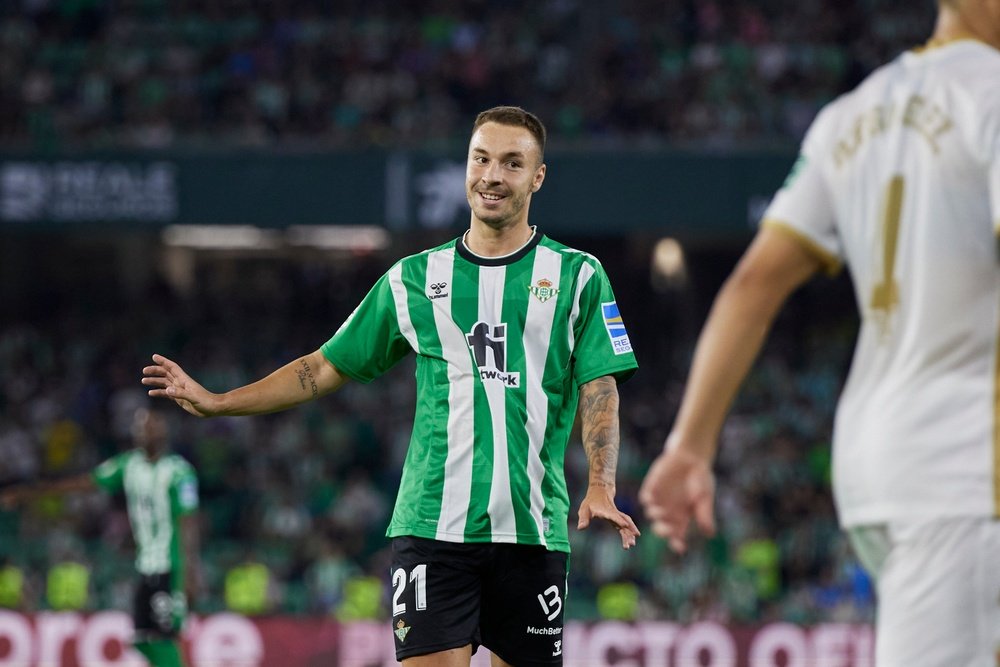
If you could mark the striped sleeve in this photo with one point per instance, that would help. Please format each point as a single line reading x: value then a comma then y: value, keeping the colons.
x: 602, y: 346
x: 371, y: 340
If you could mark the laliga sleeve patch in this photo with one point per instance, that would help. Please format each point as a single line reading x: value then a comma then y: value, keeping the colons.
x: 616, y: 328
x: 188, y: 495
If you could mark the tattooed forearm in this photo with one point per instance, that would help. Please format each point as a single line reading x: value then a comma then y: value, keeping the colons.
x: 599, y: 421
x: 305, y: 374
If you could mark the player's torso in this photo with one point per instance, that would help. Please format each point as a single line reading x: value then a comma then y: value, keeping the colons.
x: 496, y: 397
x: 506, y: 319
x: 909, y: 185
x: 147, y: 488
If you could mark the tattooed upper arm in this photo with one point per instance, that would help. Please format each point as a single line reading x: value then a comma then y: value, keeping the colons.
x: 307, y: 377
x: 599, y: 422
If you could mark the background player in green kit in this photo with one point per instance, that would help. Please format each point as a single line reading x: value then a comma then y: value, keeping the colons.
x: 161, y: 494
x: 512, y: 331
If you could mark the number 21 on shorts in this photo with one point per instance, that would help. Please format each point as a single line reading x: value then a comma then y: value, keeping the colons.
x: 418, y: 577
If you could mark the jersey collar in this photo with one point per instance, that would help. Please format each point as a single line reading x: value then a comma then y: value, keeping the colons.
x: 502, y: 260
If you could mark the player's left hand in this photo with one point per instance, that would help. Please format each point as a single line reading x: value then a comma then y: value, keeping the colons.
x: 600, y: 503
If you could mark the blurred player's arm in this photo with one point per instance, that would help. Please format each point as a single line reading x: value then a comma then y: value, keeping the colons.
x: 599, y: 421
x: 679, y: 486
x: 23, y: 493
x: 294, y: 383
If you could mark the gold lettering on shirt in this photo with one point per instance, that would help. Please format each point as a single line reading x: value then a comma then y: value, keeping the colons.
x: 917, y: 113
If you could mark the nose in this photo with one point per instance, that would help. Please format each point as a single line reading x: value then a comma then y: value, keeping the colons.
x: 492, y: 173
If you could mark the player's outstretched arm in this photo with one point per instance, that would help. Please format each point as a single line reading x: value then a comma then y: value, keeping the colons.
x: 679, y: 486
x: 294, y: 383
x: 599, y: 420
x: 13, y: 496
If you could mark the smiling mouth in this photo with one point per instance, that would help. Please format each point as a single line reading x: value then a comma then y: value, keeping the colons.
x: 489, y: 196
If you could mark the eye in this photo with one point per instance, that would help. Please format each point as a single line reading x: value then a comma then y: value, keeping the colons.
x: 479, y: 159
x: 513, y: 164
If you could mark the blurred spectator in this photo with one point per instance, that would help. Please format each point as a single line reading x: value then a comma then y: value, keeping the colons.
x: 618, y: 601
x: 249, y: 587
x: 362, y: 600
x: 68, y: 585
x: 327, y: 576
x: 12, y: 585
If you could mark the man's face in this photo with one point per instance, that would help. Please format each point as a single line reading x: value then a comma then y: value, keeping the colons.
x: 503, y: 169
x: 149, y: 430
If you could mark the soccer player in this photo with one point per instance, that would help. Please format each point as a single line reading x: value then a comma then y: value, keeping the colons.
x: 900, y: 180
x: 511, y: 331
x: 161, y: 494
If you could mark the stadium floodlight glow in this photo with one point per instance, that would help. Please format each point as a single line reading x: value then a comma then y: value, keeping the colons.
x: 221, y: 237
x: 668, y: 265
x: 339, y: 237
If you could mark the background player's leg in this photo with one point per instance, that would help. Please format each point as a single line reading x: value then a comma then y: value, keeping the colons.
x: 161, y: 653
x: 453, y: 657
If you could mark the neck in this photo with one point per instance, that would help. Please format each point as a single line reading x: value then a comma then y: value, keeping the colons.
x: 964, y: 20
x: 487, y: 241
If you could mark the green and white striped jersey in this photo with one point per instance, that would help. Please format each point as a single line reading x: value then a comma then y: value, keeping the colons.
x: 157, y: 494
x: 502, y: 346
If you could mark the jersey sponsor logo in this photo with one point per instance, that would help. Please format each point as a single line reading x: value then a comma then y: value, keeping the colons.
x: 543, y: 290
x: 402, y: 629
x: 532, y: 630
x: 438, y: 289
x: 616, y: 328
x: 489, y: 345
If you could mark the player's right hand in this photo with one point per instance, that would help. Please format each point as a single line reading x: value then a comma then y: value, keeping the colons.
x: 169, y: 380
x: 679, y: 487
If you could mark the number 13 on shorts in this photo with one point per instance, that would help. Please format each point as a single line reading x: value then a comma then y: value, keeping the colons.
x: 551, y: 602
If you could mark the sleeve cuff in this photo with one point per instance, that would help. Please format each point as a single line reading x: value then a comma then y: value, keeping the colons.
x: 831, y: 263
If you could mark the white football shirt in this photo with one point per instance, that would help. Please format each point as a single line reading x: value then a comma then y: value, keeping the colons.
x: 900, y: 180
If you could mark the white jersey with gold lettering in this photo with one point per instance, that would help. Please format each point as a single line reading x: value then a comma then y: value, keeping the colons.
x: 900, y: 180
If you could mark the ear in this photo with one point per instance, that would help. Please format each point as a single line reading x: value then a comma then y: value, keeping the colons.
x: 539, y: 177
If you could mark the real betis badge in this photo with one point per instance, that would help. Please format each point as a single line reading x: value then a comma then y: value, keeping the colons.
x: 402, y: 629
x: 543, y: 290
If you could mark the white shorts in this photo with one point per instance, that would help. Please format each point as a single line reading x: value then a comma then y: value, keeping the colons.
x: 938, y: 586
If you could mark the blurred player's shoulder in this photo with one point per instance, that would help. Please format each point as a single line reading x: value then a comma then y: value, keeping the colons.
x: 966, y: 66
x: 931, y: 88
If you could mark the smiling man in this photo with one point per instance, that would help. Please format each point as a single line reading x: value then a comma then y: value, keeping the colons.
x: 513, y: 333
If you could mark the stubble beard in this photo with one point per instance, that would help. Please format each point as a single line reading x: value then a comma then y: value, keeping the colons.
x: 499, y: 220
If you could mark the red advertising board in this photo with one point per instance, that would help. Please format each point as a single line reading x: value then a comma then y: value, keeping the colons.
x: 228, y: 640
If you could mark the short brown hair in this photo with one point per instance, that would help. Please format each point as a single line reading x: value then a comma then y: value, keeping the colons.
x: 517, y: 117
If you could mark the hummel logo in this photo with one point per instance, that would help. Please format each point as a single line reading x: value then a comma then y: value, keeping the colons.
x: 438, y: 288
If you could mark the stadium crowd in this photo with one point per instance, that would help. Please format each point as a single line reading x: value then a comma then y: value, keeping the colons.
x: 295, y: 505
x: 153, y: 74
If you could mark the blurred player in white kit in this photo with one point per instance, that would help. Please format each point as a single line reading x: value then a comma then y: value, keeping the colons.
x: 899, y: 180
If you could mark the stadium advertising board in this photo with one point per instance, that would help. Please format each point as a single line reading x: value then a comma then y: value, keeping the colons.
x: 673, y: 192
x: 69, y: 639
x: 84, y: 191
